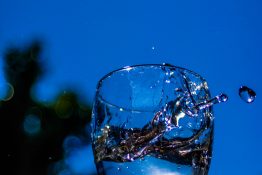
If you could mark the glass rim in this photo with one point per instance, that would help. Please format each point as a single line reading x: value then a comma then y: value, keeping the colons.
x: 127, y: 68
x: 143, y: 65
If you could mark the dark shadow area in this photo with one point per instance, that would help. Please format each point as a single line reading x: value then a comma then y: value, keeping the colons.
x: 33, y: 133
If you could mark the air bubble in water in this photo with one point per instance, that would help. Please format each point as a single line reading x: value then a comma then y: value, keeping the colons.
x: 247, y: 94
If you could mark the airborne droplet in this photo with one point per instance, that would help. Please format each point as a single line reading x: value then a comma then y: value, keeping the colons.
x: 247, y: 94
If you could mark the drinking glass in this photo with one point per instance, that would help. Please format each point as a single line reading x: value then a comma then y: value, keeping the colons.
x: 147, y: 120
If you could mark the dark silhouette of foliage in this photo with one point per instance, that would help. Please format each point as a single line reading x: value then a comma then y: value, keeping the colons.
x: 31, y: 154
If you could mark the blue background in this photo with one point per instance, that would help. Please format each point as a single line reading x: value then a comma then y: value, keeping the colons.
x: 221, y: 40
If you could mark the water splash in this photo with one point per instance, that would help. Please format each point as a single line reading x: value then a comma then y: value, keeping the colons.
x: 175, y: 126
x: 216, y: 100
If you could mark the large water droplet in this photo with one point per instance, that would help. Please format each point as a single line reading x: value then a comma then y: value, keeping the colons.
x: 247, y: 94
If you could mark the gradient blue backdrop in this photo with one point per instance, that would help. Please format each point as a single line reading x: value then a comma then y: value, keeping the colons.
x: 221, y: 40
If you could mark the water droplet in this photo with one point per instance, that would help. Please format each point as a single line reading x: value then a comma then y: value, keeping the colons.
x: 222, y: 98
x: 247, y: 94
x: 118, y: 169
x: 153, y: 47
